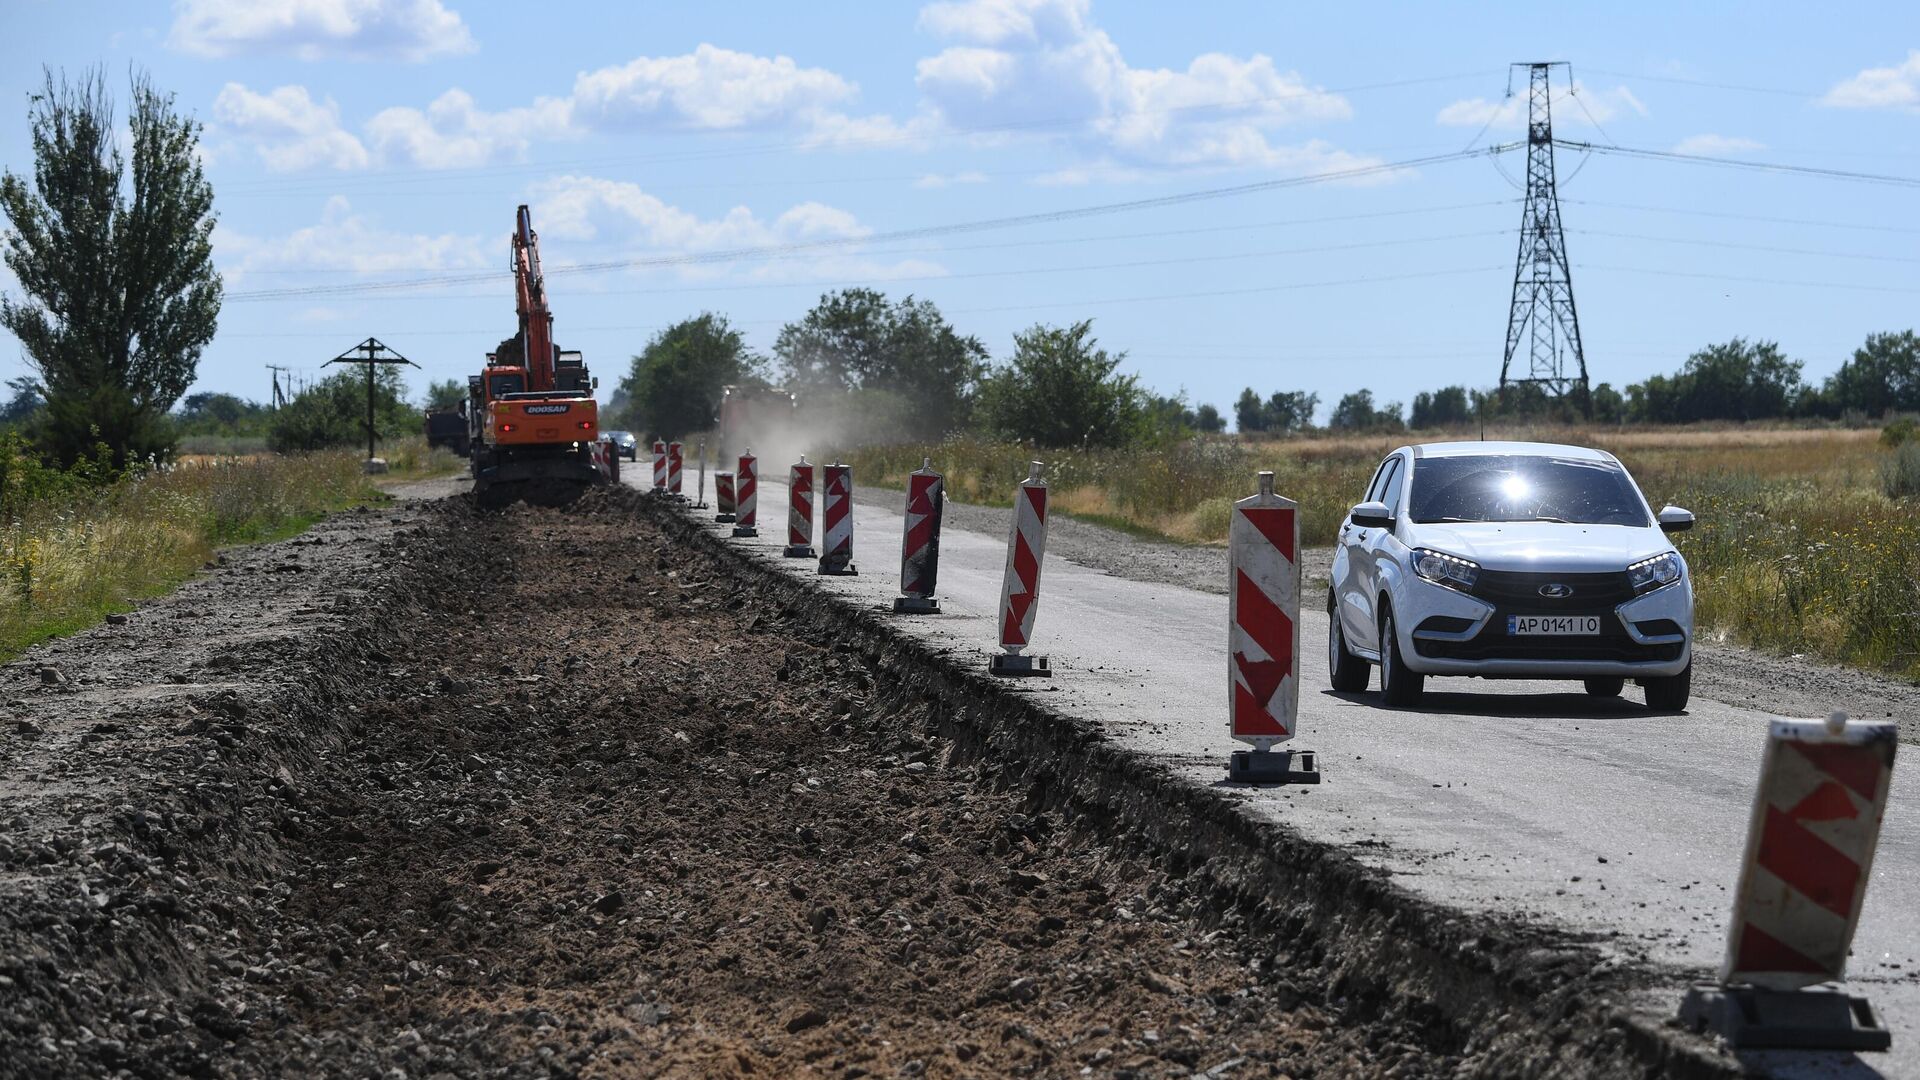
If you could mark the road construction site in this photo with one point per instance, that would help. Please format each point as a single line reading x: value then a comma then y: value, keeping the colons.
x: 704, y: 811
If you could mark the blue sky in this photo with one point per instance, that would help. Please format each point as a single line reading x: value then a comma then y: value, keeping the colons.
x: 354, y: 142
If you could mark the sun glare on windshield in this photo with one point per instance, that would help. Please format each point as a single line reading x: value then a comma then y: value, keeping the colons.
x: 1514, y: 488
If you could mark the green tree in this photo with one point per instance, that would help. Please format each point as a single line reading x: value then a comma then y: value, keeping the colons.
x: 901, y: 359
x: 1608, y: 406
x: 333, y: 412
x: 219, y: 414
x: 1882, y: 376
x: 1062, y: 389
x: 1207, y: 419
x: 1249, y: 412
x: 1443, y: 408
x: 120, y: 290
x: 447, y: 394
x: 674, y: 384
x: 1737, y: 380
x: 1291, y: 410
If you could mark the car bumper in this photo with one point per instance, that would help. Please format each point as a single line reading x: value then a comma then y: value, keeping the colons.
x: 1446, y: 632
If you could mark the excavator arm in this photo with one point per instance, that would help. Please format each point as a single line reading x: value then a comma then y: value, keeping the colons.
x: 530, y: 292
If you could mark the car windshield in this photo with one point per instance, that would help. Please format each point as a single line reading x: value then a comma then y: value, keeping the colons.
x: 1524, y: 487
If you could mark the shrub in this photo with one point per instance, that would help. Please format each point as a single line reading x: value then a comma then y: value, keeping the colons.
x: 1900, y: 474
x: 1903, y: 430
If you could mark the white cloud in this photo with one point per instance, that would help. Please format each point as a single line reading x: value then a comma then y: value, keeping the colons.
x: 1880, y: 88
x: 288, y: 128
x: 344, y: 240
x: 453, y: 132
x: 1510, y: 114
x: 1028, y: 60
x: 709, y: 89
x: 587, y: 208
x: 940, y: 180
x: 1717, y: 145
x: 411, y: 30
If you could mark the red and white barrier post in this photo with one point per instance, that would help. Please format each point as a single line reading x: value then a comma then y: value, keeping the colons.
x: 836, y: 519
x: 800, y: 510
x: 746, y: 496
x: 1020, y: 589
x: 659, y: 466
x: 723, y: 497
x: 1263, y: 639
x: 920, y: 548
x: 700, y: 495
x: 676, y: 455
x: 1810, y: 842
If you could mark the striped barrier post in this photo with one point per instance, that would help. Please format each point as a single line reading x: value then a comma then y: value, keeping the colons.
x: 1020, y: 588
x: 1263, y: 639
x: 800, y: 510
x: 920, y: 547
x: 676, y: 455
x: 659, y: 465
x: 723, y: 497
x: 700, y: 496
x: 746, y: 496
x: 836, y: 519
x: 1810, y: 842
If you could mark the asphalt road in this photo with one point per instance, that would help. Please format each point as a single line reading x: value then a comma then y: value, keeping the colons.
x: 1512, y: 798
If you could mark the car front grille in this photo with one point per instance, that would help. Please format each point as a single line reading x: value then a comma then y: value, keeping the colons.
x: 1521, y: 589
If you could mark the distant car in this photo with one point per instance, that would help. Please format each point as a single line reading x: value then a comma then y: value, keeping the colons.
x: 1510, y: 560
x: 627, y: 445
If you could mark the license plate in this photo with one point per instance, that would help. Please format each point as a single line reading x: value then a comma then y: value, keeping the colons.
x: 1556, y: 625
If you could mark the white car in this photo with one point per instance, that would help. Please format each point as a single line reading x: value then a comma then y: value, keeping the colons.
x: 1510, y: 560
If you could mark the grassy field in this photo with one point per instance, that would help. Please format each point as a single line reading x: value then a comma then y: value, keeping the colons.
x: 72, y: 554
x: 1797, y: 550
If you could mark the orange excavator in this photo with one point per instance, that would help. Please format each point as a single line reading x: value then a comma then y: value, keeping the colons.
x: 531, y: 418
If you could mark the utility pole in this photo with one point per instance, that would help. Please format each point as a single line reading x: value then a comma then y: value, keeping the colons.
x: 371, y: 353
x: 1542, y: 315
x: 279, y: 397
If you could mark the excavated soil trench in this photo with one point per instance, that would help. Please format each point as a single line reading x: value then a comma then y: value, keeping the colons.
x: 569, y: 794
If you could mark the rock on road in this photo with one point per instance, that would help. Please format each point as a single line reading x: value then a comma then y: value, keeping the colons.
x: 1515, y: 798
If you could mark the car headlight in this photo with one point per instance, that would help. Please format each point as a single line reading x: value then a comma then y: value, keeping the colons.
x: 1443, y: 569
x: 1650, y: 574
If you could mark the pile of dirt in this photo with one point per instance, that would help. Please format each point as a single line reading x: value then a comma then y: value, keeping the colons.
x: 541, y: 793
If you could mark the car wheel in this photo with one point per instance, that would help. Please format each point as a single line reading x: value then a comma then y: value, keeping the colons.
x: 1605, y: 686
x: 1398, y: 686
x: 1669, y: 693
x: 1347, y: 672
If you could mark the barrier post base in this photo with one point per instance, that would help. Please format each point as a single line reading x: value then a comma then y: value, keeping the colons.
x: 798, y: 551
x: 915, y: 605
x: 1019, y: 666
x: 1750, y: 1018
x: 723, y: 519
x: 838, y: 569
x: 1272, y: 767
x: 745, y: 530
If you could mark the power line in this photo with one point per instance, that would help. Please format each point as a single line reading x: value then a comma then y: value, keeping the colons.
x: 1735, y: 163
x: 1689, y: 212
x: 1047, y: 243
x: 1017, y: 221
x: 1851, y: 286
x: 1708, y: 85
x: 1747, y: 247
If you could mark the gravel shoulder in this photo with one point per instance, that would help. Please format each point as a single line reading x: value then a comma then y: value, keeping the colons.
x: 1723, y: 671
x: 431, y: 792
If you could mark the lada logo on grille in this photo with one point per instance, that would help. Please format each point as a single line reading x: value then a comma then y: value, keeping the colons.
x: 1556, y: 591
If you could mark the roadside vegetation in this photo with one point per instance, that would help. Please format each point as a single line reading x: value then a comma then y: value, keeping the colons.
x: 78, y: 544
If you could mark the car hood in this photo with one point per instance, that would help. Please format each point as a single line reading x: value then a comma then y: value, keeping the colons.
x: 1543, y: 545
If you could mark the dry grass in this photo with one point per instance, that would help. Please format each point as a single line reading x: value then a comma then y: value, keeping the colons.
x: 1798, y: 547
x: 70, y: 560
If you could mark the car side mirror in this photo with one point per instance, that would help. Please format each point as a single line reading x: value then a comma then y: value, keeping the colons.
x: 1673, y: 519
x: 1372, y: 515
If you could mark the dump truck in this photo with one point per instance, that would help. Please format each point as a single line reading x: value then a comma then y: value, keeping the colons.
x: 448, y: 427
x: 532, y: 421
